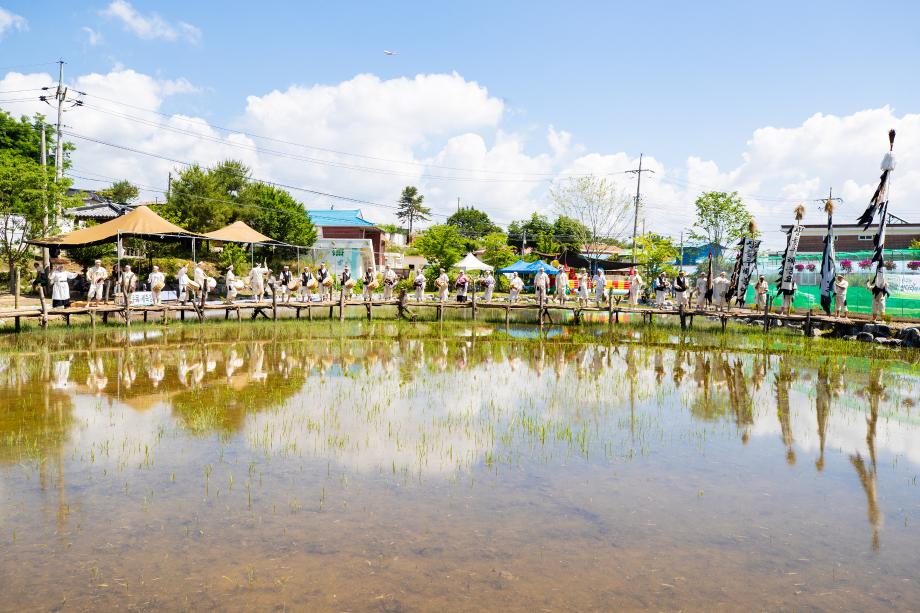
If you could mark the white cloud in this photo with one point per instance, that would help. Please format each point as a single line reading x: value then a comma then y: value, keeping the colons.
x: 419, y: 130
x: 150, y: 26
x: 92, y: 37
x: 11, y: 21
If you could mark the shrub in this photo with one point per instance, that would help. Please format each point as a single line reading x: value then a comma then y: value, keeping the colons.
x: 846, y: 265
x: 800, y: 267
x: 810, y: 267
x: 890, y: 265
x: 865, y: 264
x: 914, y: 265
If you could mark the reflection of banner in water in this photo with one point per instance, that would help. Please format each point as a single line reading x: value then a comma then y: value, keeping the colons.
x: 787, y: 268
x: 748, y: 258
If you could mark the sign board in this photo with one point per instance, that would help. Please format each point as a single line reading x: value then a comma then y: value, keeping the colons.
x: 146, y: 298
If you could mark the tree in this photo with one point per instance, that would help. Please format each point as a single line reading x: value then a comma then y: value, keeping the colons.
x: 442, y: 245
x: 472, y: 223
x: 656, y: 254
x: 121, y: 192
x: 721, y: 219
x: 27, y: 195
x: 275, y: 213
x: 23, y: 137
x: 600, y: 209
x: 411, y: 208
x: 915, y: 244
x: 496, y: 251
x: 567, y: 233
x: 527, y: 232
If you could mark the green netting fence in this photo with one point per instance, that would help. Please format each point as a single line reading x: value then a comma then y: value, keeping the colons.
x: 903, y: 277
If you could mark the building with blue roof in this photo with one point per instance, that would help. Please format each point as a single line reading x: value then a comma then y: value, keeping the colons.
x: 350, y: 224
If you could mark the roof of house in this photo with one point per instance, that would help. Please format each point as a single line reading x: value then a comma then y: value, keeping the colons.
x: 100, y: 210
x: 330, y: 218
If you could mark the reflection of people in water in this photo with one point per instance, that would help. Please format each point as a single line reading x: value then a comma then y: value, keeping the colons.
x: 783, y: 381
x: 679, y: 371
x: 156, y: 370
x: 868, y: 475
x: 823, y: 409
x: 659, y: 366
x: 61, y: 377
x: 96, y: 379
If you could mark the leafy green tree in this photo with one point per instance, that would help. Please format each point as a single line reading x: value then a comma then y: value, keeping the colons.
x: 411, y: 207
x: 656, y: 254
x: 442, y: 245
x: 527, y: 232
x: 27, y: 194
x: 915, y: 244
x: 472, y: 223
x: 233, y: 254
x: 721, y: 219
x: 599, y: 207
x: 568, y: 233
x: 275, y: 213
x: 121, y: 192
x: 496, y: 251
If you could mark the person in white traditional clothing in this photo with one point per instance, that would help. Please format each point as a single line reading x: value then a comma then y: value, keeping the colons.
x: 681, y: 289
x: 157, y: 281
x: 389, y: 282
x: 701, y: 283
x: 879, y: 289
x: 600, y: 287
x: 325, y: 282
x: 720, y: 292
x: 761, y: 291
x: 308, y: 284
x: 96, y: 277
x: 488, y: 284
x: 60, y: 286
x: 840, y: 295
x: 233, y: 284
x: 128, y: 283
x: 462, y: 285
x: 205, y: 283
x: 346, y: 282
x: 635, y: 286
x: 419, y: 284
x: 257, y: 281
x: 562, y: 285
x: 517, y: 284
x: 540, y: 284
x: 443, y: 285
x: 369, y: 283
x: 788, y: 298
x: 283, y: 283
x: 182, y: 277
x: 661, y: 287
x: 582, y: 287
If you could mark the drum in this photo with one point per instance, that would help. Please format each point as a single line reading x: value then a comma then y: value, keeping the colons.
x: 237, y: 284
x: 192, y: 285
x: 373, y: 284
x: 440, y: 283
x: 294, y: 285
x: 158, y: 286
x: 211, y: 282
x: 327, y: 282
x: 350, y: 283
x: 311, y: 284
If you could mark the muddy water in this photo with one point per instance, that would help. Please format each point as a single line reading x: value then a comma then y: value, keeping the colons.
x: 315, y: 468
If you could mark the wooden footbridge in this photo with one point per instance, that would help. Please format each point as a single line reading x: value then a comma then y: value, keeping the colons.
x: 541, y: 312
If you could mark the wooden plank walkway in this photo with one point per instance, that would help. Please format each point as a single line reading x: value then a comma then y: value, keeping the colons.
x: 542, y: 313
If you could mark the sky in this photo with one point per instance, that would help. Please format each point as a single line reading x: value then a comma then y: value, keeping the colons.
x: 493, y: 103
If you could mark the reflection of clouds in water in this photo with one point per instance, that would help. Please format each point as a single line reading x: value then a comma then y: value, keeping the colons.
x: 116, y: 434
x: 441, y: 421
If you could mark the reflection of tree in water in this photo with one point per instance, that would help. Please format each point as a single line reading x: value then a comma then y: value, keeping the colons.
x: 783, y: 381
x: 868, y: 474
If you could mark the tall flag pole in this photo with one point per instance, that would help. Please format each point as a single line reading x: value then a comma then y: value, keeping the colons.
x: 709, y: 280
x: 878, y: 204
x: 828, y: 263
x: 787, y: 268
x: 747, y: 261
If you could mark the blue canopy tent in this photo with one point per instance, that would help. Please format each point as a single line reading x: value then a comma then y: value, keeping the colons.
x: 520, y: 267
x: 533, y: 267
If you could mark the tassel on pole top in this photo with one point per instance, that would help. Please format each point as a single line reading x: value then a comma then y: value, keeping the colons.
x: 891, y: 135
x: 829, y: 207
x: 752, y: 228
x: 799, y: 212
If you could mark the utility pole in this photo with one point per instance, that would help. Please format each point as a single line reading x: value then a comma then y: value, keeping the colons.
x: 523, y: 242
x: 169, y: 187
x: 458, y: 204
x: 60, y: 95
x: 638, y: 172
x: 46, y: 255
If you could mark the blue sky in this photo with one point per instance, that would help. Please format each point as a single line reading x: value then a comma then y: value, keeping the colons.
x: 672, y: 79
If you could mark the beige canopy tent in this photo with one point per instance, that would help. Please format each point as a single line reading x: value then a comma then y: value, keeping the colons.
x: 240, y: 232
x: 141, y: 223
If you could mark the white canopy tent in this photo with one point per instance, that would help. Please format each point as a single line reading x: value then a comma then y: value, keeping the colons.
x: 471, y: 262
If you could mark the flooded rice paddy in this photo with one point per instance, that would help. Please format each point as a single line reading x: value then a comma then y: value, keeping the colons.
x: 394, y: 467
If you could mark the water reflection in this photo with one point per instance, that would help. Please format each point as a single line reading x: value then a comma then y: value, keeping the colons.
x: 408, y: 412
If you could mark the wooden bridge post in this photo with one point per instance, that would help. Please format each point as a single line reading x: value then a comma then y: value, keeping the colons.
x: 274, y: 304
x: 808, y: 324
x: 683, y: 317
x: 342, y: 304
x: 724, y: 319
x: 473, y: 303
x: 507, y: 313
x: 369, y: 306
x: 540, y: 307
x: 43, y: 321
x: 766, y: 314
